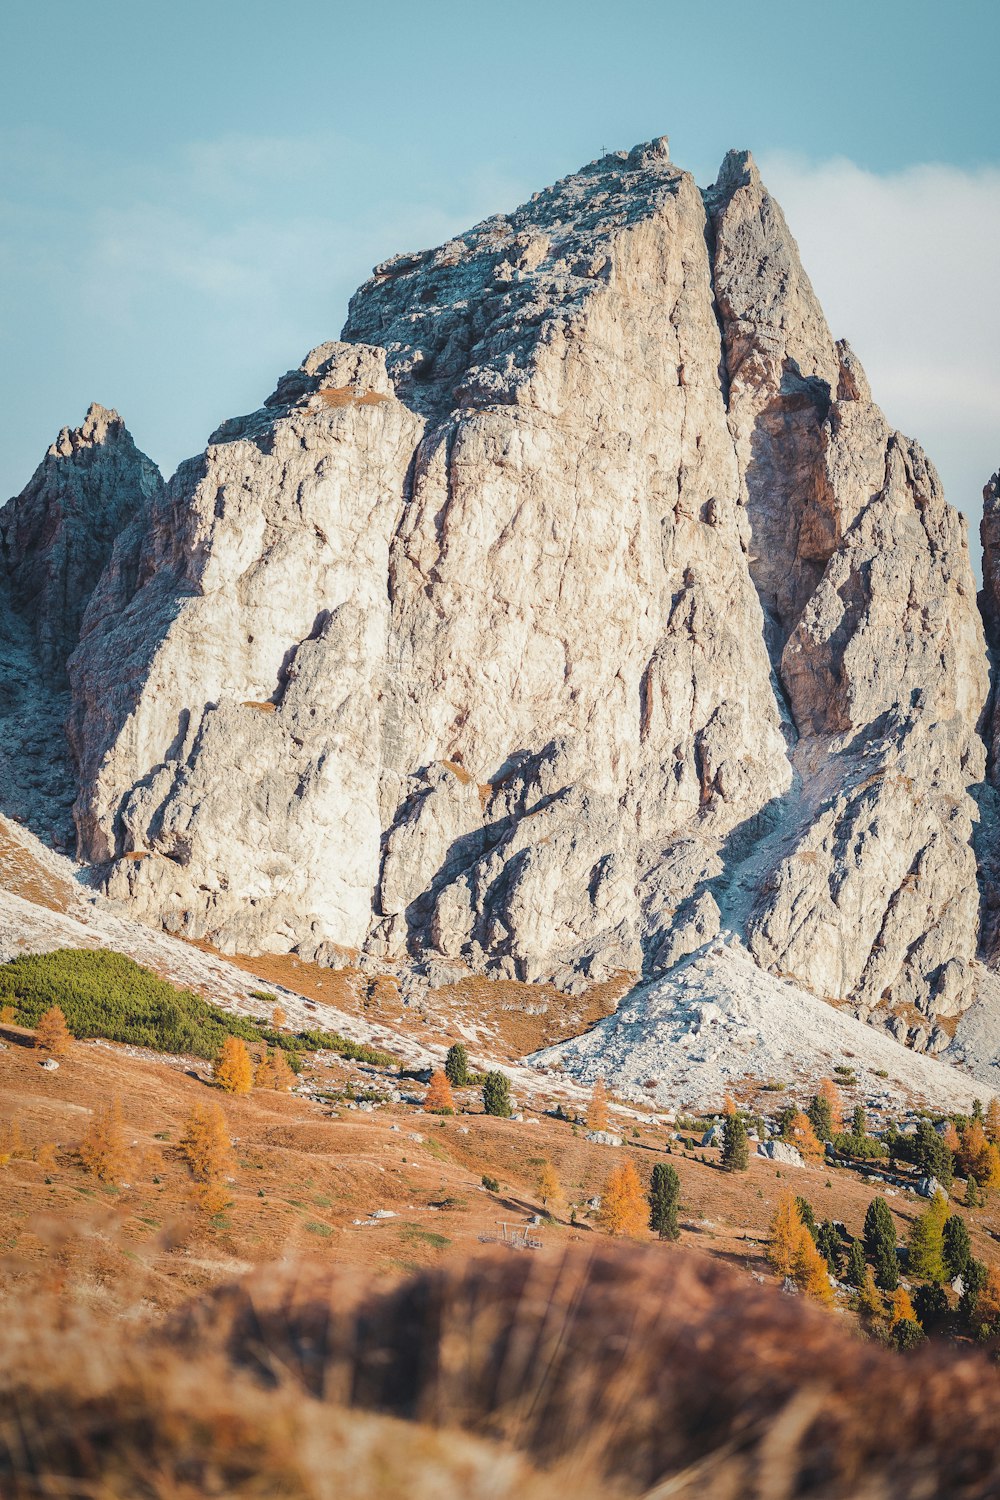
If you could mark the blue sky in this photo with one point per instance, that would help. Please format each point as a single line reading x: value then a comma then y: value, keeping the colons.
x: 190, y: 192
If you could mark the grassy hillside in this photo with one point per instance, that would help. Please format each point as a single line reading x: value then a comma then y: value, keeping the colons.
x: 105, y: 994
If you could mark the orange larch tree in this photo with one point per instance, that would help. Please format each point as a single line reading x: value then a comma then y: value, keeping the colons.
x: 52, y: 1034
x: 785, y: 1226
x: 811, y: 1272
x: 597, y: 1109
x: 623, y: 1207
x: 104, y: 1149
x: 805, y: 1139
x: 439, y: 1099
x: 233, y: 1068
x: 207, y: 1149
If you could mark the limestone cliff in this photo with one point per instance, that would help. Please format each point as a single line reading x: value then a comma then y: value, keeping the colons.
x: 579, y: 601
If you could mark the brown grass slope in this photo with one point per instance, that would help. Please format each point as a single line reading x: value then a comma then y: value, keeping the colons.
x: 612, y: 1371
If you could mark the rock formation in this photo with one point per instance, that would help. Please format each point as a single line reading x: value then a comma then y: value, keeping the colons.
x: 56, y: 539
x: 579, y: 602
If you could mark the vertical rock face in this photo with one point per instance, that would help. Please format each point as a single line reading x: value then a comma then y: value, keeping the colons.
x: 578, y: 601
x: 56, y: 538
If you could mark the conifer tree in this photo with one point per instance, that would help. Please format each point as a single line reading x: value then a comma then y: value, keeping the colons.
x: 273, y: 1071
x: 805, y: 1139
x: 786, y: 1226
x: 927, y: 1241
x: 807, y: 1216
x: 932, y: 1155
x: 233, y: 1068
x: 206, y: 1147
x: 623, y: 1208
x: 977, y: 1110
x: 931, y: 1304
x: 456, y: 1065
x: 973, y: 1197
x: 829, y: 1091
x: 439, y: 1099
x: 664, y: 1199
x: 278, y: 1017
x: 973, y: 1281
x: 856, y: 1265
x: 549, y: 1190
x: 52, y: 1035
x: 735, y: 1145
x: 868, y: 1301
x: 992, y: 1121
x: 829, y: 1246
x: 820, y: 1117
x: 597, y: 1109
x: 859, y: 1123
x: 900, y: 1307
x: 104, y: 1149
x: 728, y: 1105
x: 496, y: 1095
x: 957, y: 1246
x: 880, y: 1244
x: 810, y: 1271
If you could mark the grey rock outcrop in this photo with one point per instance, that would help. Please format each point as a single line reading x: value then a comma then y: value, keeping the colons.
x: 56, y: 538
x: 579, y: 603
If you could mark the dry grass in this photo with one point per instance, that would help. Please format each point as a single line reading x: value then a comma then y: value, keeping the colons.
x: 611, y: 1373
x: 261, y: 706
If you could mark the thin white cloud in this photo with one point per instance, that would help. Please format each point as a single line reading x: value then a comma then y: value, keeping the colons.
x: 907, y: 268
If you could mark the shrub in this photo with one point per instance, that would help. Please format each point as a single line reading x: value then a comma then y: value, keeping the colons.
x: 496, y: 1095
x: 491, y: 1184
x: 907, y: 1334
x: 108, y: 995
x: 8, y: 1015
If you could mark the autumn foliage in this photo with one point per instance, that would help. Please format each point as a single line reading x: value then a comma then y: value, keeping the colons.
x: 206, y: 1147
x: 233, y: 1068
x: 52, y: 1034
x: 805, y: 1139
x: 623, y: 1207
x: 273, y: 1072
x: 104, y: 1148
x: 439, y: 1099
x: 597, y: 1109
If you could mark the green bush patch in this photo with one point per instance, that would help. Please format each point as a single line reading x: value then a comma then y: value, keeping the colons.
x: 105, y: 994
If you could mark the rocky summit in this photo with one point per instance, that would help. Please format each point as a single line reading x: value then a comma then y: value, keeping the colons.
x: 577, y: 606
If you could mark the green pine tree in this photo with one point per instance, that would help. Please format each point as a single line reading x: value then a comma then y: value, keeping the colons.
x: 973, y: 1280
x: 805, y: 1209
x: 880, y: 1244
x: 859, y: 1123
x: 496, y: 1095
x: 664, y: 1198
x: 828, y: 1245
x: 926, y: 1260
x: 855, y: 1273
x: 821, y: 1117
x: 957, y: 1246
x: 735, y: 1144
x: 456, y: 1065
